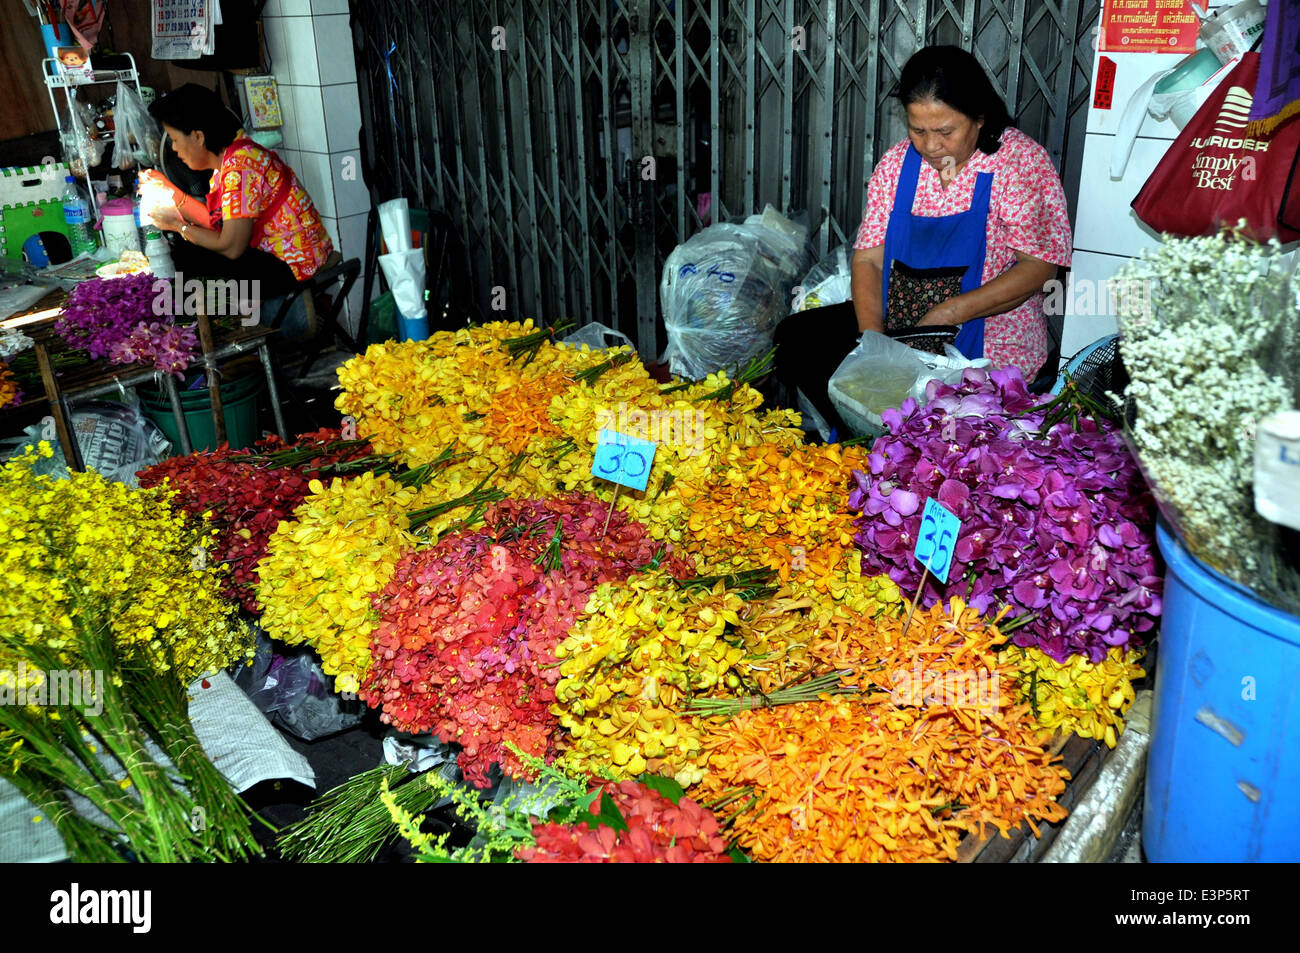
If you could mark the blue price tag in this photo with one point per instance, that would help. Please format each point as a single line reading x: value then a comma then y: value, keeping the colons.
x: 622, y: 459
x: 939, y: 529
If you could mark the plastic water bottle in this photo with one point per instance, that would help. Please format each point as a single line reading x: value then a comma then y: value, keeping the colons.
x: 76, y: 212
x: 159, y: 254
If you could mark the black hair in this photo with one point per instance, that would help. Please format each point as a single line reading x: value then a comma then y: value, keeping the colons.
x: 191, y: 107
x: 950, y: 75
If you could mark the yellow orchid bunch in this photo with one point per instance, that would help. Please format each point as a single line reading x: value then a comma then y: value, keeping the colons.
x: 10, y: 392
x: 320, y: 570
x: 800, y: 631
x: 778, y: 507
x: 642, y: 649
x: 1079, y: 696
x: 84, y: 551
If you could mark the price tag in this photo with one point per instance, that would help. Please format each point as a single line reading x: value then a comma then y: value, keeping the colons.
x: 939, y: 529
x: 1277, y: 468
x: 623, y: 460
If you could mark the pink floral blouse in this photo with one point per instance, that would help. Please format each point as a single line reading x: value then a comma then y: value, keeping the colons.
x: 1027, y: 213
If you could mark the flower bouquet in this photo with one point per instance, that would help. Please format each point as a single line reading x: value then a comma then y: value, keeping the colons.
x: 116, y: 318
x: 1214, y: 349
x: 466, y: 641
x: 246, y: 494
x: 1056, y: 521
x: 106, y: 620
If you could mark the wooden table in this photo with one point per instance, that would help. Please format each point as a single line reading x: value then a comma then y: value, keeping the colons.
x: 99, y: 377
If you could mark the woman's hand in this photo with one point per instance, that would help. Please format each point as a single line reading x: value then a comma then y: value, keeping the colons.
x: 1006, y: 292
x: 168, y: 219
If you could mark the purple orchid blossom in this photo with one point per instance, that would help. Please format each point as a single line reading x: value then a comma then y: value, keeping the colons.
x: 1060, y: 527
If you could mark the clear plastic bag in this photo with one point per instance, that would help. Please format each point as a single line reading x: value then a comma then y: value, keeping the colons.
x: 724, y: 291
x: 598, y: 337
x: 295, y: 693
x: 881, y: 373
x: 136, y: 135
x: 827, y: 282
x: 116, y: 441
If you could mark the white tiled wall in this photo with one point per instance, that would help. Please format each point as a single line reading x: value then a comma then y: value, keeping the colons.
x: 1106, y: 232
x: 310, y: 46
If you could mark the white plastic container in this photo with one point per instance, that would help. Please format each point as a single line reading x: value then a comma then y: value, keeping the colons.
x: 120, y: 233
x: 1231, y: 31
x: 159, y: 254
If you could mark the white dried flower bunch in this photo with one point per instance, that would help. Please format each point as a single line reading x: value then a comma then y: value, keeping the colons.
x: 1210, y: 347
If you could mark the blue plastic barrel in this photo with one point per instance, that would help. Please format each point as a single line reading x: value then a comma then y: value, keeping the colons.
x: 1224, y: 764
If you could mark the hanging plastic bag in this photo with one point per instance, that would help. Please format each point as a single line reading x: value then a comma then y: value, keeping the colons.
x: 1174, y: 94
x: 881, y: 373
x: 136, y: 137
x: 725, y: 289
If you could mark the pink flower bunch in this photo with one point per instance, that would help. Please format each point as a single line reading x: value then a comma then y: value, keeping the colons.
x: 658, y: 832
x: 466, y: 642
x: 167, y: 347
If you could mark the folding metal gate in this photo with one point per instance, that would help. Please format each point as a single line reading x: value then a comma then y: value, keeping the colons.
x: 576, y: 142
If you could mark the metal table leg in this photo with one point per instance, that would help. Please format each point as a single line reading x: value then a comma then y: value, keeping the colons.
x: 264, y: 353
x: 182, y: 427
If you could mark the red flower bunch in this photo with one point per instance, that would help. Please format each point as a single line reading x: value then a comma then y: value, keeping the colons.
x: 247, y: 498
x: 466, y: 643
x: 658, y: 832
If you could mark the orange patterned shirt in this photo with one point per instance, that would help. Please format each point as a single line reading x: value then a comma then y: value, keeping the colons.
x: 295, y: 233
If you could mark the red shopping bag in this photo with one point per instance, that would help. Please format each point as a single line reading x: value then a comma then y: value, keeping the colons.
x: 1215, y: 175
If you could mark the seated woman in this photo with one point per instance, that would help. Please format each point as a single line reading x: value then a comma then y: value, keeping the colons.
x: 966, y: 221
x: 259, y: 223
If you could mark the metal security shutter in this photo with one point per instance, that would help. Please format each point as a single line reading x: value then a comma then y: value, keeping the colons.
x: 575, y: 143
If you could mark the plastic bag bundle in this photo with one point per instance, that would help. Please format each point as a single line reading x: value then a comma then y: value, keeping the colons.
x: 82, y: 150
x: 295, y: 693
x: 828, y: 282
x: 136, y: 134
x: 116, y: 441
x: 881, y: 373
x: 724, y: 291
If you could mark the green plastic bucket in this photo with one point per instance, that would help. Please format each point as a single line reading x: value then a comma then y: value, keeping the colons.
x: 382, y: 325
x: 238, y: 404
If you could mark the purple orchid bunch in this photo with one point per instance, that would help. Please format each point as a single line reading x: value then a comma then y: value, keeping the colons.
x: 101, y: 312
x: 1059, y: 526
x: 168, y: 347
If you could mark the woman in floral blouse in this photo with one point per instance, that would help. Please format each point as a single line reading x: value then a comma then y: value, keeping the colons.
x: 258, y: 221
x: 966, y: 221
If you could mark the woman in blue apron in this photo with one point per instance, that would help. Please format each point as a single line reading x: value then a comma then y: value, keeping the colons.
x: 966, y: 221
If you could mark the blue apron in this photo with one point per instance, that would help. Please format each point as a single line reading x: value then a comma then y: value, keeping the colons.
x: 948, y: 241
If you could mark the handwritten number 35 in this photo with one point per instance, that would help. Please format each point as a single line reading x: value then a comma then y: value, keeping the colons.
x: 942, y: 549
